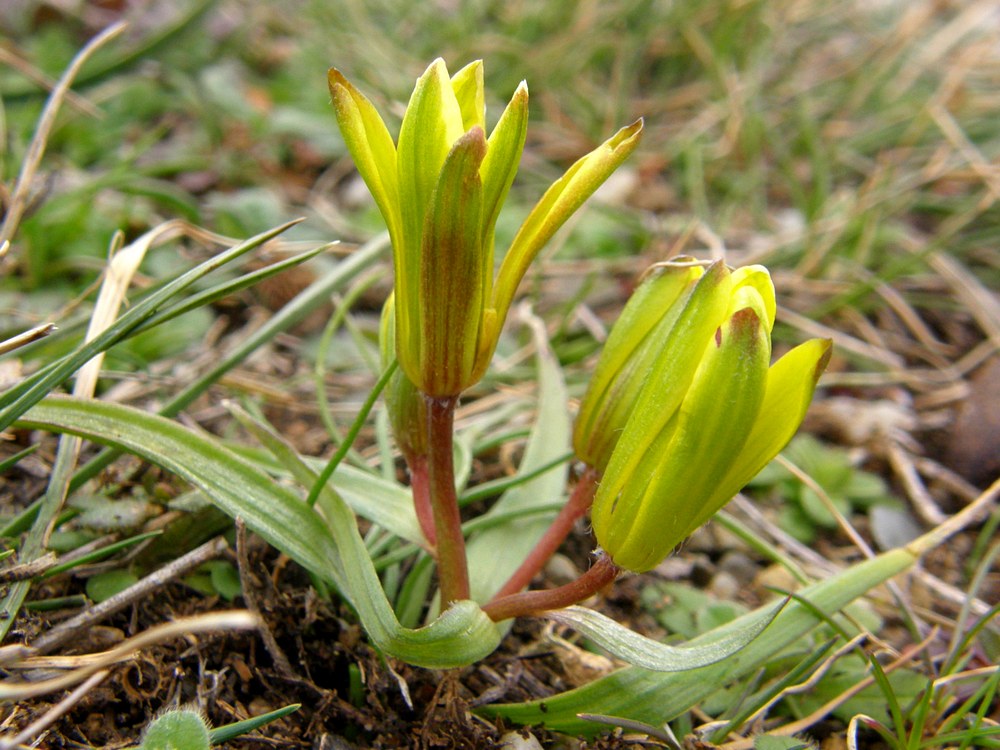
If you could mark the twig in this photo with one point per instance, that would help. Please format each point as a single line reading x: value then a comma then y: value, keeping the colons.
x: 281, y: 662
x: 19, y: 198
x: 238, y: 620
x: 29, y: 336
x: 70, y: 628
x: 845, y: 525
x: 971, y: 513
x: 905, y: 469
x: 29, y: 569
x: 12, y: 57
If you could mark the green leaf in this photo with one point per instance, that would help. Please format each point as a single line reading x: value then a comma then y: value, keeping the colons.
x: 177, y: 730
x: 655, y: 697
x: 774, y: 742
x: 230, y: 731
x: 644, y: 652
x: 225, y: 579
x: 385, y: 503
x: 31, y: 390
x: 460, y: 636
x: 101, y: 586
x: 495, y: 553
x: 240, y: 489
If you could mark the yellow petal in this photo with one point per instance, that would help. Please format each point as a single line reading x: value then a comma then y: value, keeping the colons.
x: 710, y: 429
x: 469, y: 92
x: 560, y: 201
x: 371, y: 147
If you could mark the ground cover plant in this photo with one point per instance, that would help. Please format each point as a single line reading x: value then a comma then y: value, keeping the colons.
x: 230, y: 373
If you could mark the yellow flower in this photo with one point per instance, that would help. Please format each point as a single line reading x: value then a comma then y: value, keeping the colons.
x: 702, y: 410
x: 440, y: 190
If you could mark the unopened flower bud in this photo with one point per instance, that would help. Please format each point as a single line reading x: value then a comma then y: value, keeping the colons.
x: 707, y: 414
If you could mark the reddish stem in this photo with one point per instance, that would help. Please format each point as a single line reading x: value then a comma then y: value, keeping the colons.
x: 601, y: 573
x: 453, y: 571
x: 576, y: 507
x: 421, y: 489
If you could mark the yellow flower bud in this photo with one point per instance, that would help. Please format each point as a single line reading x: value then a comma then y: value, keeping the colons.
x: 440, y: 190
x: 705, y: 413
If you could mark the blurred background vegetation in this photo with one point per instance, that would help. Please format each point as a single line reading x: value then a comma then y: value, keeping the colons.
x: 836, y: 139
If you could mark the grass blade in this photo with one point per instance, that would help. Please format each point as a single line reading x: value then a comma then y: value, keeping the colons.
x: 230, y: 731
x: 17, y: 400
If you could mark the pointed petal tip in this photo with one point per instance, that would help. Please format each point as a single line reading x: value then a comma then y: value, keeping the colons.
x: 335, y: 78
x: 627, y: 137
x: 824, y: 358
x: 474, y: 139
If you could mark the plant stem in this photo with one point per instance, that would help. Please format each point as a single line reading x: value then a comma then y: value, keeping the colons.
x: 601, y: 573
x: 577, y: 505
x: 420, y: 486
x: 453, y: 573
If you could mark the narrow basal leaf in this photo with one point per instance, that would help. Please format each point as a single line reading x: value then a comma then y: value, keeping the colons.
x: 237, y: 487
x: 32, y: 389
x: 644, y: 652
x: 460, y: 636
x: 387, y: 504
x: 657, y: 697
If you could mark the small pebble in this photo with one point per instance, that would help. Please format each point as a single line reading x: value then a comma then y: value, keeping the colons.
x: 739, y: 566
x: 724, y: 585
x: 776, y: 577
x: 515, y: 741
x: 560, y: 569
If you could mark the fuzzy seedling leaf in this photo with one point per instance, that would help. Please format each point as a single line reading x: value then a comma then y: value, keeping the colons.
x: 177, y: 730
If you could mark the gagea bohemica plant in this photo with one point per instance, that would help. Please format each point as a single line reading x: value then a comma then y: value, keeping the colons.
x: 684, y: 406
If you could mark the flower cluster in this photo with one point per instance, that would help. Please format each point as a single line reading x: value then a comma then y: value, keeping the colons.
x: 684, y: 407
x: 440, y: 189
